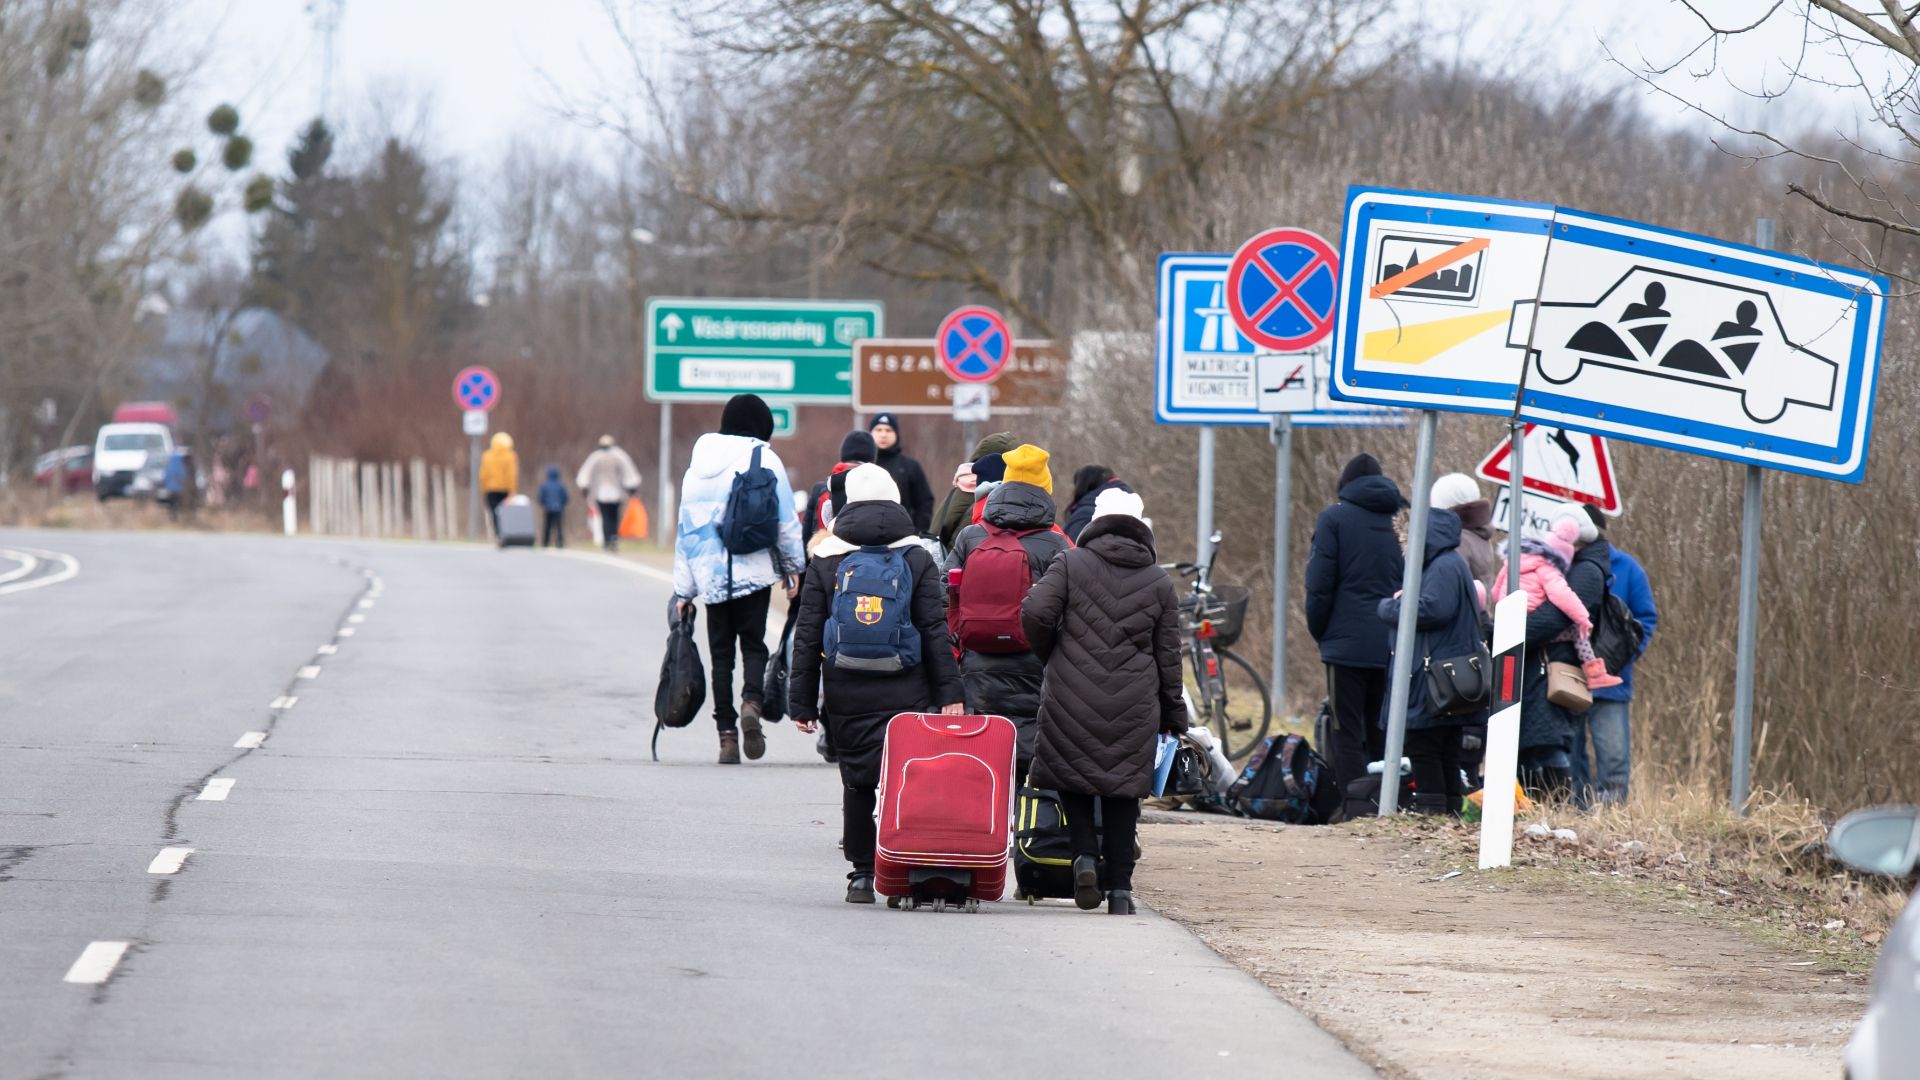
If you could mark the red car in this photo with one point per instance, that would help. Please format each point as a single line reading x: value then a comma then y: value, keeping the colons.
x: 74, y: 464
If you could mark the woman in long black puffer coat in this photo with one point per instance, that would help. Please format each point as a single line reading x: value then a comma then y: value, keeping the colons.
x: 859, y: 704
x: 1106, y: 621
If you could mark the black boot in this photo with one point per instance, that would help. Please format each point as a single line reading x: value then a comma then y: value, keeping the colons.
x: 1086, y: 882
x: 1120, y: 902
x: 860, y: 887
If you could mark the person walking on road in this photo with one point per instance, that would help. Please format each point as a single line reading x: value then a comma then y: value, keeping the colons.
x: 874, y: 654
x: 1460, y: 493
x: 1106, y: 623
x: 735, y: 493
x: 996, y: 563
x: 1447, y: 624
x: 608, y: 479
x: 1088, y: 483
x: 499, y: 475
x: 915, y: 495
x: 956, y: 509
x: 1609, y: 723
x: 856, y: 448
x: 1354, y: 564
x: 553, y: 504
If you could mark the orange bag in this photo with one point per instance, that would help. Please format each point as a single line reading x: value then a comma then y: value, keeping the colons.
x: 633, y: 524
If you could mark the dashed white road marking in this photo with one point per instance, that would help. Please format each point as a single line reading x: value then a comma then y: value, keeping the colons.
x: 97, y: 962
x: 169, y: 861
x: 250, y: 740
x: 366, y: 603
x: 328, y: 650
x: 69, y: 569
x: 345, y: 631
x: 283, y: 703
x: 311, y: 671
x: 216, y: 790
x: 356, y: 618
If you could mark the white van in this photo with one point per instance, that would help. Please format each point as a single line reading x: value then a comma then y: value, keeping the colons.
x: 130, y: 459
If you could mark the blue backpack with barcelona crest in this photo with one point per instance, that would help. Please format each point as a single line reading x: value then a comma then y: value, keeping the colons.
x: 871, y: 628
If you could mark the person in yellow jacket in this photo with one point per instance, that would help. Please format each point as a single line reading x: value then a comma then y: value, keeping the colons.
x: 499, y: 475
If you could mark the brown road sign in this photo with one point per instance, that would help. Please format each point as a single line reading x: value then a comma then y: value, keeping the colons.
x: 904, y: 375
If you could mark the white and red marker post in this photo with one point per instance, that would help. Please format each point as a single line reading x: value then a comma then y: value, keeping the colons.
x: 1501, y: 768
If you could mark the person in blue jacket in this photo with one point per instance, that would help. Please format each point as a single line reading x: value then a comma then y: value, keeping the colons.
x: 1608, y: 722
x: 1447, y: 624
x: 553, y: 501
x: 1355, y: 564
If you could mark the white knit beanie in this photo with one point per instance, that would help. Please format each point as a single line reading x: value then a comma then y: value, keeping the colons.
x: 1116, y: 501
x: 1454, y: 489
x: 871, y: 483
x: 1588, y: 532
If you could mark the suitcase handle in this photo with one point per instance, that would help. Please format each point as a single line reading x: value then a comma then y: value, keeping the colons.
x: 955, y: 727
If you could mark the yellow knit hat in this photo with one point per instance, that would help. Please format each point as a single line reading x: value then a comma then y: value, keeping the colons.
x: 1027, y: 464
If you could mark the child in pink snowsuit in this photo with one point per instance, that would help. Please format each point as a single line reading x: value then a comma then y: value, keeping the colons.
x: 1543, y: 575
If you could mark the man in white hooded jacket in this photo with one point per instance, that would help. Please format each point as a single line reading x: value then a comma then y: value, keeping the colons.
x: 736, y: 589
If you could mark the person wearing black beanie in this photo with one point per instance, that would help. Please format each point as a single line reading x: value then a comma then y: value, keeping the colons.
x: 747, y: 414
x: 915, y: 494
x: 856, y: 448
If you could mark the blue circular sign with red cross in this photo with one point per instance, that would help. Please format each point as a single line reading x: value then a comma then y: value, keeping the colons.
x: 476, y: 388
x: 974, y: 344
x: 1281, y: 287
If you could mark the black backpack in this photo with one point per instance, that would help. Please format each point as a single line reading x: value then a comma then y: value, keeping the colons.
x: 683, y: 679
x: 752, y: 519
x: 1617, y: 635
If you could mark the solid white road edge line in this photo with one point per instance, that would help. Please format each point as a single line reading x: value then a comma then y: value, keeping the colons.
x: 311, y: 671
x: 216, y: 790
x: 250, y: 740
x: 97, y: 962
x: 69, y: 569
x: 283, y: 703
x: 169, y: 861
x: 618, y: 564
x: 27, y: 565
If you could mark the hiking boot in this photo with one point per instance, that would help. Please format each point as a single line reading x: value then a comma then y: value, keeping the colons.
x: 1086, y: 882
x: 859, y: 888
x: 729, y: 748
x: 1120, y: 902
x: 754, y: 740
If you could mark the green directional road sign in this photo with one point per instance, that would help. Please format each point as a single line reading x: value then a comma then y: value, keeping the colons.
x: 790, y: 351
x: 786, y: 420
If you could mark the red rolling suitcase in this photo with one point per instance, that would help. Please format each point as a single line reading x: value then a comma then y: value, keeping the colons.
x: 946, y: 798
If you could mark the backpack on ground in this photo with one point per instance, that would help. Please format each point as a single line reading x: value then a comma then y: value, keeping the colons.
x: 683, y: 679
x: 752, y: 519
x: 1362, y: 797
x: 870, y: 629
x: 1285, y: 780
x: 994, y: 582
x: 1617, y: 635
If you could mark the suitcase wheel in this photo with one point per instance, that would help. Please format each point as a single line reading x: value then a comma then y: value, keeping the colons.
x: 973, y: 905
x: 896, y: 902
x: 939, y: 904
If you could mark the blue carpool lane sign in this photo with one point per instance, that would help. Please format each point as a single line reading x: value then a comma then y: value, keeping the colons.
x: 1622, y: 329
x: 1204, y: 370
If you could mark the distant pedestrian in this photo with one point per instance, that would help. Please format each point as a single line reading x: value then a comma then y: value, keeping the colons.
x: 956, y: 509
x: 499, y: 475
x: 872, y: 642
x: 1355, y: 563
x: 553, y: 505
x: 735, y: 491
x: 608, y: 479
x: 990, y: 570
x: 1106, y: 623
x: 1547, y: 731
x: 915, y: 495
x: 1460, y: 493
x: 856, y: 448
x: 1088, y: 483
x: 1447, y: 624
x: 1609, y: 722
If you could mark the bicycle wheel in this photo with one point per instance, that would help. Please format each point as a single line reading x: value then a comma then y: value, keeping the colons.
x: 1244, y: 710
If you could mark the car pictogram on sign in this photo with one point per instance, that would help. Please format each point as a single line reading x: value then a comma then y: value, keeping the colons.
x: 1687, y: 329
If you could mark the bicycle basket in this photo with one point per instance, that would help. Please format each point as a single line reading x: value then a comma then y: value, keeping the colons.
x: 1229, y: 613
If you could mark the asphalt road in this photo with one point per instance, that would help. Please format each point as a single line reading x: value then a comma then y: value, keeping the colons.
x: 450, y: 855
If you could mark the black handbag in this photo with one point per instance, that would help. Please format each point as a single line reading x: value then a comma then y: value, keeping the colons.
x: 1188, y: 775
x: 683, y: 679
x: 1618, y: 637
x: 1461, y: 685
x: 773, y: 693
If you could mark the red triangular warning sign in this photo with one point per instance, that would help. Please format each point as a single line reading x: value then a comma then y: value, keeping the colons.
x: 1561, y: 463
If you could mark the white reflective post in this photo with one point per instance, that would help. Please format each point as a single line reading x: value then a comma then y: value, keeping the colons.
x: 1502, y: 765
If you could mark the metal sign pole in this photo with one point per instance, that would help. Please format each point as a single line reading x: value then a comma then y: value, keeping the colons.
x: 667, y: 525
x: 1204, y: 518
x: 1409, y: 610
x: 1282, y: 577
x: 473, y: 487
x: 1749, y: 619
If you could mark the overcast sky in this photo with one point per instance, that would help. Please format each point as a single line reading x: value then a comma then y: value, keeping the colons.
x: 486, y: 63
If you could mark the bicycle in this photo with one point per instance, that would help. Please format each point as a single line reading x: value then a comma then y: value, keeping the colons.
x: 1227, y: 694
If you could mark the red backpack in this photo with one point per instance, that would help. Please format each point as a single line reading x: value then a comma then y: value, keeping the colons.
x: 997, y: 577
